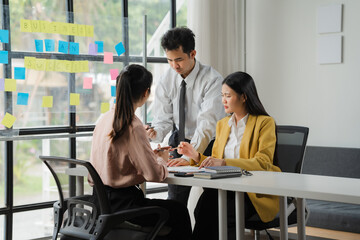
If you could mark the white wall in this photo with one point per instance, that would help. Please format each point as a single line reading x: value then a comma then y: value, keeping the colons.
x: 281, y: 55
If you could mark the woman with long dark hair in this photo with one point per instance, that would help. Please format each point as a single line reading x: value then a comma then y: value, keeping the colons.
x: 246, y: 139
x: 122, y: 155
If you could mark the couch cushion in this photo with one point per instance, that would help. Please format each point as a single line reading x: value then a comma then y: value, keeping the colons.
x: 334, y: 215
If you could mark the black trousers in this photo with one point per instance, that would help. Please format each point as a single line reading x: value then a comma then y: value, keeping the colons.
x: 133, y: 197
x: 207, y: 215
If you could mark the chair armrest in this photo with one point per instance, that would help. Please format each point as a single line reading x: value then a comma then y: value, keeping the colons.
x: 110, y: 221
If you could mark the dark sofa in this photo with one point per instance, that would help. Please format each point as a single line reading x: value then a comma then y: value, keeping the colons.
x: 338, y: 162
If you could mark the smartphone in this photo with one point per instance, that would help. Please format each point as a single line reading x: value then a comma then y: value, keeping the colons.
x: 183, y: 174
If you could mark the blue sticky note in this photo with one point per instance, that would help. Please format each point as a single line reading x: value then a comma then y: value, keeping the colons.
x: 63, y: 47
x: 22, y: 98
x: 19, y: 73
x: 4, y: 58
x: 120, y: 48
x: 39, y: 46
x: 50, y: 45
x: 100, y: 45
x: 113, y: 91
x: 4, y: 36
x: 74, y: 48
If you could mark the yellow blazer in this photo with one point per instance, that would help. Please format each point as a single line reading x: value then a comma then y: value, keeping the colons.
x: 257, y: 149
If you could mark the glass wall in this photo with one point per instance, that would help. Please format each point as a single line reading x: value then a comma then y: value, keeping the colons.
x: 61, y: 84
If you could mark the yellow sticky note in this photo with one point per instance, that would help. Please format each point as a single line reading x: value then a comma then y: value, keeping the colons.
x: 105, y: 107
x: 59, y: 66
x: 50, y: 65
x: 47, y: 101
x: 89, y: 30
x: 35, y: 26
x: 74, y: 99
x: 30, y: 62
x: 64, y: 28
x: 44, y: 26
x: 75, y: 66
x: 84, y: 66
x: 10, y: 85
x: 73, y: 29
x: 54, y: 27
x: 68, y: 66
x: 8, y: 120
x: 40, y: 64
x: 81, y: 30
x: 25, y: 25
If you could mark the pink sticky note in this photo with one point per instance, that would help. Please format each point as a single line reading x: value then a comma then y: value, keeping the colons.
x: 114, y: 73
x: 108, y: 57
x: 87, y: 84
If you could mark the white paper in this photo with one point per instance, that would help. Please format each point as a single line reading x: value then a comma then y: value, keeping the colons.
x: 330, y: 49
x: 330, y: 18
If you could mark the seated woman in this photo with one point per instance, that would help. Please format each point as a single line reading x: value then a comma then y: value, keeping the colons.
x: 245, y: 139
x: 122, y: 155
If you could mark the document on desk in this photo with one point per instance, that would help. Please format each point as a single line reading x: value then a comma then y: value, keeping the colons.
x: 187, y: 169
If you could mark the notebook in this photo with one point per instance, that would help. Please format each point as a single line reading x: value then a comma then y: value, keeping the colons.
x: 223, y: 169
x: 186, y: 169
x: 208, y: 175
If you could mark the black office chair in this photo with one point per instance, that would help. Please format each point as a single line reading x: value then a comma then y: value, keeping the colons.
x: 290, y: 150
x: 83, y: 217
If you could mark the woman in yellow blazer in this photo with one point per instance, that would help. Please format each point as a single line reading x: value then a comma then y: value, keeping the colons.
x: 246, y: 139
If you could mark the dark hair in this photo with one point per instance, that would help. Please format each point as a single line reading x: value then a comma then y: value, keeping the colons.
x: 176, y: 37
x: 131, y: 84
x: 243, y: 83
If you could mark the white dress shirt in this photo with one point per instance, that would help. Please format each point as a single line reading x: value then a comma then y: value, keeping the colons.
x: 203, y: 107
x: 232, y: 147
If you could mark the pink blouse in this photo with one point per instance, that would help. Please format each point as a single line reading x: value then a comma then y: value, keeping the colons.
x: 129, y: 160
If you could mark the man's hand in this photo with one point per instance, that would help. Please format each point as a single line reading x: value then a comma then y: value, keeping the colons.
x: 150, y: 132
x: 176, y: 162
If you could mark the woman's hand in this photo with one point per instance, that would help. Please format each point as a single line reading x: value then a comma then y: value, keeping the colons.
x: 210, y: 161
x: 188, y: 150
x: 150, y: 132
x: 162, y: 152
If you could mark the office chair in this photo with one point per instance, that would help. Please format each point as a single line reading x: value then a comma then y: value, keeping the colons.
x: 290, y: 150
x: 83, y: 217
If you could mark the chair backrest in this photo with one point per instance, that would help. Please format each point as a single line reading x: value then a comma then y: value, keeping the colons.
x: 291, y: 144
x: 76, y: 216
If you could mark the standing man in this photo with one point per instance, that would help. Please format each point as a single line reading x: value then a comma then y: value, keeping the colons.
x: 187, y: 101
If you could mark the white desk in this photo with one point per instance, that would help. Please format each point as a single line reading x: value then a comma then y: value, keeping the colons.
x: 300, y: 186
x: 282, y: 184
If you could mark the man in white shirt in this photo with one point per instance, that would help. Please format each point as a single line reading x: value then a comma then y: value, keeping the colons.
x: 203, y: 107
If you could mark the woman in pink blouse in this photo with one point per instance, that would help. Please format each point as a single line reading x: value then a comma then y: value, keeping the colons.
x: 123, y: 157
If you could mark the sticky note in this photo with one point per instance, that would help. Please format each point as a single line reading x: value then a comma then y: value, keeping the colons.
x: 8, y: 120
x: 44, y: 26
x: 89, y: 30
x: 73, y: 29
x: 19, y: 73
x: 64, y: 28
x: 87, y: 84
x: 113, y: 91
x: 25, y: 25
x: 105, y: 107
x: 40, y: 64
x: 49, y: 45
x: 35, y: 26
x: 39, y: 47
x: 22, y: 98
x: 74, y: 48
x: 10, y: 85
x: 50, y: 65
x: 100, y: 46
x: 2, y: 82
x: 30, y: 62
x: 92, y: 49
x: 74, y: 99
x: 108, y: 58
x: 81, y: 30
x: 120, y: 48
x: 4, y: 36
x: 47, y: 101
x: 114, y: 73
x: 63, y: 46
x: 4, y: 58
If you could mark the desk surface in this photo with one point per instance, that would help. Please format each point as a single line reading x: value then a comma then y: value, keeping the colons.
x: 337, y: 189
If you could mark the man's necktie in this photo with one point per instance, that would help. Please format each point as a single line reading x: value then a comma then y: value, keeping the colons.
x: 182, y: 111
